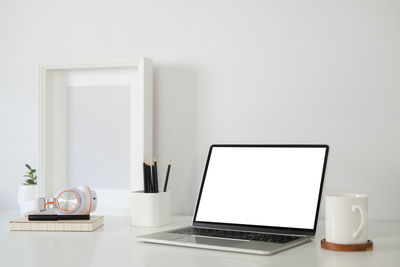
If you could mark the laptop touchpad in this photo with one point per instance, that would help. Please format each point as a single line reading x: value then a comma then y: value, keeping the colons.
x: 209, y: 241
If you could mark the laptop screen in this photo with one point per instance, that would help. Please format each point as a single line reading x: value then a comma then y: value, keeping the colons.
x: 274, y: 186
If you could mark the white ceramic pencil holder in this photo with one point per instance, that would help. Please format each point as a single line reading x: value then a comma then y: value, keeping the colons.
x: 150, y: 209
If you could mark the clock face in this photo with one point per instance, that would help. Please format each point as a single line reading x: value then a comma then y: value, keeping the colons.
x: 67, y: 200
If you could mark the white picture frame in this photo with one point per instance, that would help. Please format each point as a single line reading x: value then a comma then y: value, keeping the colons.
x: 52, y: 169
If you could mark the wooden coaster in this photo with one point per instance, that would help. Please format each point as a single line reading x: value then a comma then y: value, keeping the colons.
x: 352, y: 247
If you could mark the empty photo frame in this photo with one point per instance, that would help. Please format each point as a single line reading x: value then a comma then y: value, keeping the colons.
x: 95, y: 128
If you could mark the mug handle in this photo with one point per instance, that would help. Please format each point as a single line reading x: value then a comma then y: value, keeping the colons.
x: 363, y: 222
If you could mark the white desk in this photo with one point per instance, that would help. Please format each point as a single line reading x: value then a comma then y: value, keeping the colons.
x: 113, y: 245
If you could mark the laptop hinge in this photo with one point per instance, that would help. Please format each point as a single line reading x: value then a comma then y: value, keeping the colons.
x: 270, y: 233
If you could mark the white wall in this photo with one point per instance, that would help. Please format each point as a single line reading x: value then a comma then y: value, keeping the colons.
x: 225, y: 72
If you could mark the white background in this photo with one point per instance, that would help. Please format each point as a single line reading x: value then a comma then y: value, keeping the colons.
x: 229, y: 71
x: 267, y: 186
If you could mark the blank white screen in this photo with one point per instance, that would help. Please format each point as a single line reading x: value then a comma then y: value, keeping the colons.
x: 267, y: 186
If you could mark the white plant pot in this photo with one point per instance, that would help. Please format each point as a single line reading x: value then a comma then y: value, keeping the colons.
x: 26, y: 193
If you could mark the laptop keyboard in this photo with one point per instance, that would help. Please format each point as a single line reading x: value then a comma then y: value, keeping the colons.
x: 236, y: 235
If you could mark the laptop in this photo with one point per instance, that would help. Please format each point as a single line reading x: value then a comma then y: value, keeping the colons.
x: 258, y: 199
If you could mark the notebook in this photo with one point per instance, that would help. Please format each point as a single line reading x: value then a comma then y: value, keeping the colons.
x: 23, y: 224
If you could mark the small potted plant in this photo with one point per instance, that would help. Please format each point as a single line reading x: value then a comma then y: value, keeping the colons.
x: 27, y: 191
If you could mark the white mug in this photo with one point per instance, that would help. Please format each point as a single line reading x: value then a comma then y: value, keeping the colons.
x: 346, y: 218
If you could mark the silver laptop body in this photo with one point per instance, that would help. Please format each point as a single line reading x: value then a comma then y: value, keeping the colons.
x: 257, y: 199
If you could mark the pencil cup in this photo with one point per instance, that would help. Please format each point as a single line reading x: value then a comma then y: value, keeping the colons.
x: 150, y: 209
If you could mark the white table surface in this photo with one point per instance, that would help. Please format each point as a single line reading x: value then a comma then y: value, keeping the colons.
x: 114, y: 245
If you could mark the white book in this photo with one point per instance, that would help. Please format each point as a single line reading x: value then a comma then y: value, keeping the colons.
x: 23, y: 224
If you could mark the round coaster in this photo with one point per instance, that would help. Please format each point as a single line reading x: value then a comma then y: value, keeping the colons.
x: 351, y: 247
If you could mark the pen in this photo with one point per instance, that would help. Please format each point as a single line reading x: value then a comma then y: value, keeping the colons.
x: 55, y: 217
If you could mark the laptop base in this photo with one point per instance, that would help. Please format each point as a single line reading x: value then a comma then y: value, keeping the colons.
x: 223, y: 244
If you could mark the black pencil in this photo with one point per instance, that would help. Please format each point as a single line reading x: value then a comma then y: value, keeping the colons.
x: 155, y: 176
x: 148, y: 178
x: 152, y: 178
x: 153, y: 189
x: 166, y: 177
x: 145, y: 189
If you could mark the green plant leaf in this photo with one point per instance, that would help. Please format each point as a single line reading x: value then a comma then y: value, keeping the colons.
x: 31, y: 175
